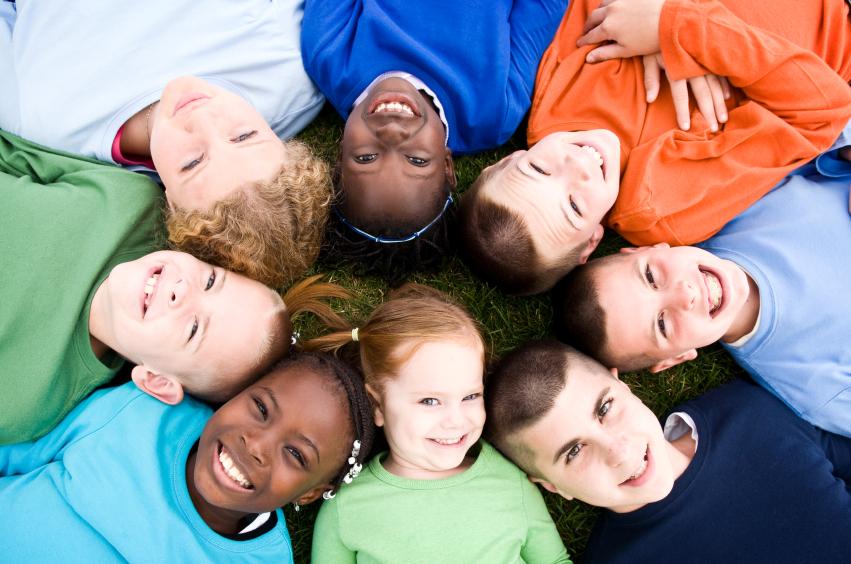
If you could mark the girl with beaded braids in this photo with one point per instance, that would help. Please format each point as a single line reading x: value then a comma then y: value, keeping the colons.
x: 445, y: 495
x: 240, y: 193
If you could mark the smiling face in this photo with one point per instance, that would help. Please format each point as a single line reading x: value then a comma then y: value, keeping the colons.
x: 175, y: 315
x: 393, y: 159
x: 561, y: 187
x: 433, y: 411
x: 207, y: 142
x: 601, y: 445
x: 283, y: 438
x: 666, y: 302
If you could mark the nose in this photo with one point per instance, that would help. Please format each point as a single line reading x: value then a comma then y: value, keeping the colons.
x: 255, y: 447
x: 392, y: 133
x: 200, y: 121
x: 453, y: 417
x: 616, y: 450
x: 685, y: 295
x: 180, y: 293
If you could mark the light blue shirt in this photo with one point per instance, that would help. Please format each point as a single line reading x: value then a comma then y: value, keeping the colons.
x: 73, y: 73
x: 795, y: 242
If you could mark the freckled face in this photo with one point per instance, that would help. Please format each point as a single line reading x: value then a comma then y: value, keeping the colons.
x: 561, y: 189
x: 208, y: 142
x: 274, y: 442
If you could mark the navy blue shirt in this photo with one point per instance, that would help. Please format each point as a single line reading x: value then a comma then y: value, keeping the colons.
x: 763, y: 486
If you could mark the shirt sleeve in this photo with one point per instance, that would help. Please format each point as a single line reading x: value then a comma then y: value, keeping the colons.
x: 834, y: 416
x: 770, y: 133
x: 837, y: 448
x: 543, y: 542
x: 327, y: 546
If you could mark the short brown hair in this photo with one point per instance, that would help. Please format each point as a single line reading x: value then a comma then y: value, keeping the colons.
x: 497, y: 246
x: 580, y: 320
x: 522, y: 390
x: 271, y: 231
x: 413, y: 315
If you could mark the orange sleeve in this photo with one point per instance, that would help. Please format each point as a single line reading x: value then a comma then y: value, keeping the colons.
x: 682, y: 187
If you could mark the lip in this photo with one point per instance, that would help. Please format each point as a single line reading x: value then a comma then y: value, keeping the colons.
x: 602, y: 152
x: 187, y: 99
x: 722, y: 282
x: 387, y: 97
x: 645, y: 477
x: 219, y: 472
x: 150, y: 274
x: 459, y: 444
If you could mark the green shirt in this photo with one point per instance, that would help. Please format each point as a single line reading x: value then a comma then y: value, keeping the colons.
x: 65, y: 222
x: 490, y: 513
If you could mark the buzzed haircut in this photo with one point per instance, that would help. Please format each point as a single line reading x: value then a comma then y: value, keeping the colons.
x: 520, y: 392
x: 497, y: 246
x: 580, y: 321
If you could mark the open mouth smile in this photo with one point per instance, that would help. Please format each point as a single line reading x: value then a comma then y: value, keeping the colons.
x: 150, y: 289
x: 231, y: 471
x: 450, y: 442
x: 639, y: 472
x: 394, y: 102
x: 714, y: 291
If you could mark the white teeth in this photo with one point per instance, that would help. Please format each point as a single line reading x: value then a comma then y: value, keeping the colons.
x: 594, y: 153
x: 715, y: 290
x: 640, y: 471
x: 232, y: 471
x: 394, y: 107
x: 448, y: 441
x: 152, y: 281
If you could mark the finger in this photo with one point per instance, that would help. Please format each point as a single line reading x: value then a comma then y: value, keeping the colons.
x: 595, y: 18
x: 679, y: 91
x: 593, y: 37
x: 717, y: 92
x: 652, y: 77
x: 605, y: 3
x: 725, y: 84
x: 703, y: 97
x: 605, y: 53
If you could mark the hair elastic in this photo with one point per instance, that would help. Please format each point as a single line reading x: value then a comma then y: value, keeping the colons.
x: 355, y: 334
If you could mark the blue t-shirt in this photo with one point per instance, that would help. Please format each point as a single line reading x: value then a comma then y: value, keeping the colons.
x: 109, y: 484
x: 795, y: 242
x: 764, y: 486
x: 479, y: 58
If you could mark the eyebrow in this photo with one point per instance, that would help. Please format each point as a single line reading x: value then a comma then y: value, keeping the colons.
x: 272, y: 397
x: 306, y: 441
x: 598, y: 404
x: 643, y: 282
x: 309, y: 443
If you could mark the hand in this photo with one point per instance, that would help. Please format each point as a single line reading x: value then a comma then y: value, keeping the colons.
x: 633, y: 25
x: 710, y: 92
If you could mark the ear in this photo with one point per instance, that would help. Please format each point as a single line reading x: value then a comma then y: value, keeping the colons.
x: 449, y: 169
x: 377, y: 414
x: 595, y: 239
x: 614, y: 372
x: 314, y: 494
x: 673, y: 361
x: 550, y: 487
x: 165, y: 388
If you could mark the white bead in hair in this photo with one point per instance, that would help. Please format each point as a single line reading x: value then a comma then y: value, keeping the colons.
x: 328, y: 495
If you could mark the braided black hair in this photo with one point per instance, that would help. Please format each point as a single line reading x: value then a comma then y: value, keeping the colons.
x: 348, y: 381
x: 393, y: 261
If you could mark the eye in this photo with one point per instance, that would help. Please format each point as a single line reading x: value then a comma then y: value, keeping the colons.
x: 429, y: 401
x: 417, y: 161
x: 297, y: 455
x: 575, y: 207
x: 211, y: 281
x: 604, y: 409
x: 649, y: 276
x: 537, y: 169
x: 261, y: 408
x: 662, y: 327
x: 193, y: 164
x: 194, y: 330
x: 472, y: 397
x: 365, y: 158
x: 571, y: 454
x: 245, y: 136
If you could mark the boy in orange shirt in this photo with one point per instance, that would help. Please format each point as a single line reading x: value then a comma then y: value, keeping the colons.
x: 532, y: 217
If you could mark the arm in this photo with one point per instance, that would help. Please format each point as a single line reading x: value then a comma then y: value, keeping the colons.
x: 543, y: 543
x: 837, y: 448
x: 835, y: 418
x: 327, y: 545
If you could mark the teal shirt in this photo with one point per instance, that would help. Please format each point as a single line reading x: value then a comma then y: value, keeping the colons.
x: 489, y: 513
x: 65, y: 222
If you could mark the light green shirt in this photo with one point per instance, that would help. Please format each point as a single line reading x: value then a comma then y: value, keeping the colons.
x: 490, y: 513
x: 65, y: 221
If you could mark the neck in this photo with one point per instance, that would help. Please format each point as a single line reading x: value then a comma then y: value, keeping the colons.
x: 98, y: 333
x: 746, y: 319
x: 221, y: 520
x: 404, y: 469
x: 135, y: 140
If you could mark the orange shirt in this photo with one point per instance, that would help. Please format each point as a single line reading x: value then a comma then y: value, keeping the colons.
x: 790, y: 65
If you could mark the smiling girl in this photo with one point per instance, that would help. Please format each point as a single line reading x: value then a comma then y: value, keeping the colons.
x: 445, y: 495
x: 113, y: 89
x: 128, y: 478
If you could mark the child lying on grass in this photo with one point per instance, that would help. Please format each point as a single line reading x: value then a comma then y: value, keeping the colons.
x: 730, y: 476
x: 601, y: 155
x: 128, y: 478
x: 772, y: 285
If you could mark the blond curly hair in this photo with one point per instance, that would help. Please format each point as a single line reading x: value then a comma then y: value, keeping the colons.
x: 269, y: 231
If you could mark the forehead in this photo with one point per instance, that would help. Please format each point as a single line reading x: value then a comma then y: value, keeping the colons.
x: 447, y: 366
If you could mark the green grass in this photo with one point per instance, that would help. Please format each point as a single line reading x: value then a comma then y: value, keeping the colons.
x: 508, y: 321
